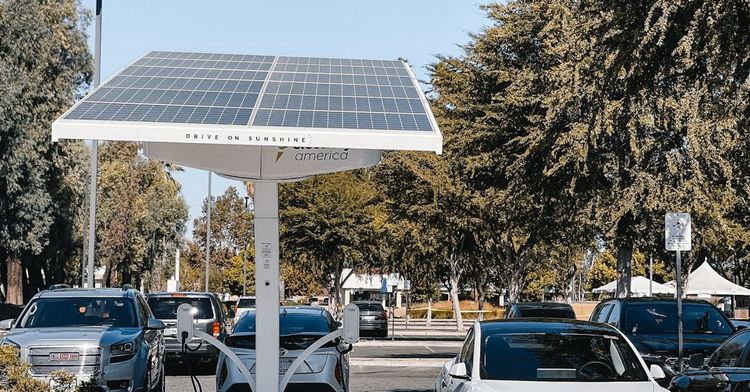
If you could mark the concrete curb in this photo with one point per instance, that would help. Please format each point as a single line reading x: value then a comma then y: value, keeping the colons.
x: 406, y: 343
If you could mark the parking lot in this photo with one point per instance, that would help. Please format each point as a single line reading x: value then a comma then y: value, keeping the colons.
x: 377, y: 366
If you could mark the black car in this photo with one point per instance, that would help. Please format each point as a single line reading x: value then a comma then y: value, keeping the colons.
x: 728, y: 368
x: 210, y: 315
x: 372, y: 318
x: 651, y: 324
x: 540, y: 309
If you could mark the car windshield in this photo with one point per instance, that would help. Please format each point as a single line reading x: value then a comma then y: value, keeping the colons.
x: 661, y: 318
x: 298, y: 330
x: 165, y: 308
x: 370, y: 307
x: 559, y: 357
x: 547, y: 312
x: 246, y: 303
x: 77, y: 312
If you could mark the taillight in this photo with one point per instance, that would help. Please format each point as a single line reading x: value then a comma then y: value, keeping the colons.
x: 381, y: 316
x: 337, y: 372
x: 223, y: 373
x: 217, y: 329
x: 229, y: 341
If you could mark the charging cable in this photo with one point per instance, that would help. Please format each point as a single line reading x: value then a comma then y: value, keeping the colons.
x: 185, y: 349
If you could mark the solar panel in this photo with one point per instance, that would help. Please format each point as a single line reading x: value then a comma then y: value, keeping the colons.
x: 260, y: 91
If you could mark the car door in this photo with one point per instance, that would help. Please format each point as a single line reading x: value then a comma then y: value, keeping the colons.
x: 153, y: 339
x: 466, y: 356
x: 722, y: 366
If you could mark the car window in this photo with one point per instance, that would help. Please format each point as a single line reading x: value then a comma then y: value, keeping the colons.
x: 370, y: 307
x: 560, y: 312
x: 290, y: 323
x: 614, y: 315
x: 165, y: 308
x: 559, y: 357
x: 145, y: 311
x: 467, y: 352
x: 661, y: 318
x: 729, y: 353
x: 603, y: 314
x: 76, y: 312
x: 246, y: 303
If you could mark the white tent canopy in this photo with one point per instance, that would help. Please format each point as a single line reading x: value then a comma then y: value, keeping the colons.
x: 638, y: 287
x: 706, y: 281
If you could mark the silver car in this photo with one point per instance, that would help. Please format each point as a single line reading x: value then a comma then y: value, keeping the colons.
x: 327, y: 369
x: 107, y: 336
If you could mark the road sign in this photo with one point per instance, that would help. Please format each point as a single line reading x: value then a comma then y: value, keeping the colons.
x: 677, y: 231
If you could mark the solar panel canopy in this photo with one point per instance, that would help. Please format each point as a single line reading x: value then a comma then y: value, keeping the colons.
x: 257, y: 100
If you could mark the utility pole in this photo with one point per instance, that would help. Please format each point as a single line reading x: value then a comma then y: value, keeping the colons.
x: 208, y: 229
x: 94, y: 151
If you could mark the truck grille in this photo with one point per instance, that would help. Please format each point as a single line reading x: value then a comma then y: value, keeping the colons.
x: 88, y: 362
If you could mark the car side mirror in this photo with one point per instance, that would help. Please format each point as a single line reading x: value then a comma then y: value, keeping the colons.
x: 458, y: 370
x: 697, y: 361
x: 6, y: 325
x: 657, y: 372
x: 740, y: 327
x: 154, y: 324
x: 339, y: 324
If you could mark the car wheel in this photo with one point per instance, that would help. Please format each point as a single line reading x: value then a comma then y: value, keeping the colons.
x: 161, y: 384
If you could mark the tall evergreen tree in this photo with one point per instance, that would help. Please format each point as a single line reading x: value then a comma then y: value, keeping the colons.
x: 44, y: 62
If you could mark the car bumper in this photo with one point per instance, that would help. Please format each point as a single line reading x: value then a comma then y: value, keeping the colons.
x: 173, y: 349
x: 375, y: 325
x: 114, y: 377
x: 323, y: 381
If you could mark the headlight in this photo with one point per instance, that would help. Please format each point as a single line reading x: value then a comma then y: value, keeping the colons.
x: 127, y: 348
x: 8, y: 343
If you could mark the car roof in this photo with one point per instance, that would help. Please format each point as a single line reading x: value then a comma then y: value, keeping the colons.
x: 181, y: 294
x: 87, y: 293
x: 366, y: 302
x: 636, y: 300
x: 544, y: 325
x: 543, y: 305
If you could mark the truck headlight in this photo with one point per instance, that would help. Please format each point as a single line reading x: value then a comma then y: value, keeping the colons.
x: 122, y: 351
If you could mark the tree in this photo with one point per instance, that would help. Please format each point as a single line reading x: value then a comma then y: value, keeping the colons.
x: 141, y: 216
x: 231, y: 233
x: 432, y: 222
x: 329, y: 223
x: 44, y: 63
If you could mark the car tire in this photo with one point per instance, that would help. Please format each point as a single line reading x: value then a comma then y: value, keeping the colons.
x: 161, y: 385
x: 383, y: 333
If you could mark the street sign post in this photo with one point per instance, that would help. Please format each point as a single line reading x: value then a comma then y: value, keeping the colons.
x: 677, y: 237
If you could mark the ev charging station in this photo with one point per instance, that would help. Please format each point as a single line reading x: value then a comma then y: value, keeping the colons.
x: 265, y: 119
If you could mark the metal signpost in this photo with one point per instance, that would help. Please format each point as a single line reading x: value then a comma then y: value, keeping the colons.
x: 677, y: 238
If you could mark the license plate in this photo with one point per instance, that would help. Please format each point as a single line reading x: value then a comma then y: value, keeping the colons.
x: 170, y: 331
x: 66, y: 357
x: 368, y: 318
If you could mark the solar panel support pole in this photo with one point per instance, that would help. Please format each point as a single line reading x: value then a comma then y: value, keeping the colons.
x: 266, y: 201
x: 94, y: 152
x: 209, y: 207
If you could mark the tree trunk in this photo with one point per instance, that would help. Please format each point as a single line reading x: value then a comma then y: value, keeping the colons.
x: 624, y: 268
x: 15, y: 281
x: 456, y: 305
x: 480, y: 302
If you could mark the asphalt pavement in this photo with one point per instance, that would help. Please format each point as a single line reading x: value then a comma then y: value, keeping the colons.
x: 377, y: 366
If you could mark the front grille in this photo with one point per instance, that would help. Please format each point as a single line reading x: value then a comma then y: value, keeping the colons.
x: 89, y: 360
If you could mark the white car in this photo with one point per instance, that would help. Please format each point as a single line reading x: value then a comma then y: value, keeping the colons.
x: 547, y: 355
x: 244, y: 305
x: 327, y: 369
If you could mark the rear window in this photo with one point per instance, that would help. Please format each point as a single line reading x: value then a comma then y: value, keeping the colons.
x: 165, y: 308
x: 661, y: 318
x: 290, y: 324
x: 548, y: 312
x: 370, y: 307
x: 246, y: 303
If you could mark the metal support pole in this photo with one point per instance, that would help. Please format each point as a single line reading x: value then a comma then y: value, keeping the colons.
x: 209, y: 207
x: 680, y: 342
x: 651, y: 276
x: 177, y: 268
x: 267, y: 285
x: 244, y: 257
x: 94, y: 152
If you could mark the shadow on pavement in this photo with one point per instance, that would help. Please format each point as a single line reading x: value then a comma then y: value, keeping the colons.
x: 179, y: 368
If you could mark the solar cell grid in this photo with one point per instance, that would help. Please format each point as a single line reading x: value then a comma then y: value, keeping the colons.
x: 306, y: 92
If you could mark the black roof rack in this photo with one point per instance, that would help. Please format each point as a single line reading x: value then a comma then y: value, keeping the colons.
x: 126, y: 287
x: 59, y: 286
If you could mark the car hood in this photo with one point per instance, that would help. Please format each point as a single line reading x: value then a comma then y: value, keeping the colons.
x: 97, y: 336
x: 534, y: 386
x: 666, y: 344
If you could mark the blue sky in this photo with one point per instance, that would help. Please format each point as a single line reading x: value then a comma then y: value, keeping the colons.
x: 373, y: 29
